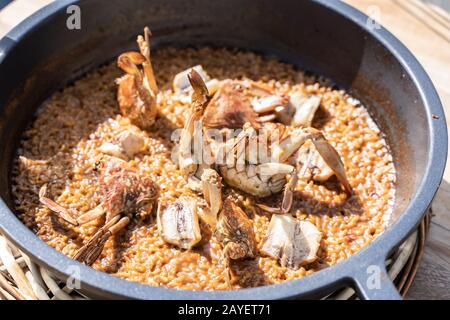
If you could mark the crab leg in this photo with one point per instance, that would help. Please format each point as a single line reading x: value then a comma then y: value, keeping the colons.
x: 212, y: 192
x: 331, y: 157
x: 91, y: 214
x: 92, y: 250
x: 288, y: 196
x: 273, y: 168
x: 65, y: 214
x: 199, y: 100
x: 56, y: 207
x: 144, y: 46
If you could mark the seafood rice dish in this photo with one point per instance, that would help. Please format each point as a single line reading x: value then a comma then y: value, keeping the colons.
x: 204, y: 169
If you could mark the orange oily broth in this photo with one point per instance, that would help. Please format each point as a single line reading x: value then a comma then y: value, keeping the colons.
x: 61, y: 148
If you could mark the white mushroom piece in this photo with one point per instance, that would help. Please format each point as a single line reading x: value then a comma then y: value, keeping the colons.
x: 293, y: 242
x: 178, y: 223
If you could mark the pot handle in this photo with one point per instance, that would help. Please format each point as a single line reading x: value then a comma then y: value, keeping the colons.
x: 372, y: 281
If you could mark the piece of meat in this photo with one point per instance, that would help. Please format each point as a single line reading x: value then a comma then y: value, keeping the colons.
x: 178, y: 223
x: 128, y: 145
x: 293, y: 242
x: 312, y: 165
x: 301, y: 110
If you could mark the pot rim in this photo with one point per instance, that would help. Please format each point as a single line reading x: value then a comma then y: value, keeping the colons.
x: 341, y: 274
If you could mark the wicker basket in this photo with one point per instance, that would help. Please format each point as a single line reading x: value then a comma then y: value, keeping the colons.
x: 21, y: 279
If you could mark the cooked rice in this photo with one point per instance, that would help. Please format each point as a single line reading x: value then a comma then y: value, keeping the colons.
x: 60, y: 149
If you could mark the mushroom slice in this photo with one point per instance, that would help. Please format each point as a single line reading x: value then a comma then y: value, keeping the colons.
x: 293, y: 242
x: 235, y: 232
x: 178, y: 223
x: 312, y: 164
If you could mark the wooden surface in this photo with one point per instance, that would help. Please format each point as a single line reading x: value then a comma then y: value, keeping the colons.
x: 424, y: 28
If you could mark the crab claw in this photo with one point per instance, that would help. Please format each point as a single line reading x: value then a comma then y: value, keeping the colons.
x: 200, y: 94
x: 331, y: 158
x: 144, y: 47
x: 137, y: 90
x: 186, y: 155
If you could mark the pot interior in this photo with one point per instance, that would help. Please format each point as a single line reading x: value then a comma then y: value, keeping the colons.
x: 303, y: 33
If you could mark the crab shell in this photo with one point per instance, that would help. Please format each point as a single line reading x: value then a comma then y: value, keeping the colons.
x: 125, y: 191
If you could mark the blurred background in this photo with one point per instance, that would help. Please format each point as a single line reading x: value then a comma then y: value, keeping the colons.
x: 424, y: 27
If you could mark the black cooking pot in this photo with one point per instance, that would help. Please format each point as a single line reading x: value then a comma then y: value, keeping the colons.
x: 329, y: 38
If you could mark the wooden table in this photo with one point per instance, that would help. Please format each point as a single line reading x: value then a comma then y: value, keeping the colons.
x: 425, y: 29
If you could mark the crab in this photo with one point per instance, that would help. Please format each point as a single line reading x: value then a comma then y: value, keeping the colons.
x: 232, y: 227
x: 137, y: 89
x: 265, y: 175
x: 230, y: 224
x: 292, y: 242
x: 234, y: 102
x: 125, y: 194
x: 230, y: 108
x: 244, y: 168
x: 235, y: 232
x: 178, y: 221
x: 239, y: 101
